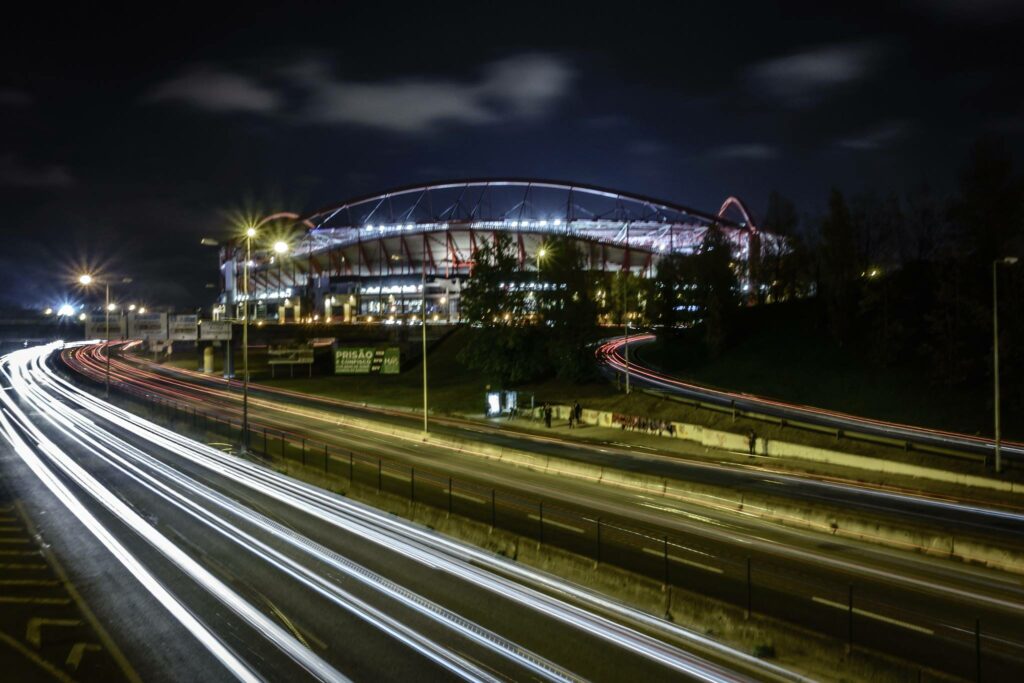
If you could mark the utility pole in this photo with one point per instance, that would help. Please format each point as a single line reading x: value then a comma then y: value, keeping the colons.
x: 106, y: 310
x: 249, y: 234
x: 1009, y: 261
x: 423, y: 312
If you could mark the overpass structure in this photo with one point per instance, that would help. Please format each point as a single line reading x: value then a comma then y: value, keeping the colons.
x: 370, y: 257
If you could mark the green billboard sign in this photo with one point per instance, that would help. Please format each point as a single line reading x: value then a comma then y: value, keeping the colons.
x: 365, y: 360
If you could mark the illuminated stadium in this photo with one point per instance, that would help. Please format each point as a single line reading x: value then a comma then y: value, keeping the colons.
x: 366, y: 259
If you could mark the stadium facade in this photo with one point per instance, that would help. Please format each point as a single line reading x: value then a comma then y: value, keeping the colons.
x: 369, y: 259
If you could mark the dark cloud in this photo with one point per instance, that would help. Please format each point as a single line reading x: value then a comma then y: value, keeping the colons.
x: 11, y: 97
x: 876, y: 138
x: 216, y: 90
x: 15, y: 174
x: 752, y: 151
x: 804, y: 78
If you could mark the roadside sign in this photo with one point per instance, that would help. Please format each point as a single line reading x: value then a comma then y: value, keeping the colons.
x: 365, y: 360
x: 183, y: 328
x: 214, y: 330
x: 96, y: 326
x: 147, y: 326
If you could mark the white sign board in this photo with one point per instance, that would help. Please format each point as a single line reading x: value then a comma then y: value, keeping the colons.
x: 214, y: 330
x: 147, y: 326
x: 96, y: 326
x: 183, y: 328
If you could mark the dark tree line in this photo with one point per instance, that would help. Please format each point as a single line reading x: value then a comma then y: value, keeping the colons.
x: 905, y: 279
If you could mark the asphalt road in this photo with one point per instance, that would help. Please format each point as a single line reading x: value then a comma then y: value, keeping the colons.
x: 804, y: 577
x: 249, y: 574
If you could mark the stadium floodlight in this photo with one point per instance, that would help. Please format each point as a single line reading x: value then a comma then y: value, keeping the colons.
x: 66, y: 310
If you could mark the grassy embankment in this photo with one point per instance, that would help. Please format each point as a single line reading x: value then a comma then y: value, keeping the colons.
x: 779, y: 353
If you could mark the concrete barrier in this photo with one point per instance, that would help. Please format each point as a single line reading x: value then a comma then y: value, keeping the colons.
x: 730, y: 441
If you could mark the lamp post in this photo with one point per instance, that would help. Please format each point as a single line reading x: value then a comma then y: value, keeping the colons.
x: 1009, y: 261
x: 85, y: 280
x: 250, y: 232
x: 423, y: 315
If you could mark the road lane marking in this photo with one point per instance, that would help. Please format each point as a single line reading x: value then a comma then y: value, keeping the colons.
x: 875, y: 615
x: 468, y: 497
x: 34, y: 630
x: 75, y: 655
x: 34, y: 600
x: 395, y: 475
x: 561, y: 525
x: 682, y: 560
x: 36, y: 659
x: 29, y: 582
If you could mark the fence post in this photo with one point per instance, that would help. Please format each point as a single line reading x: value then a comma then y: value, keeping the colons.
x: 282, y: 446
x: 327, y: 459
x: 380, y: 474
x: 849, y: 628
x: 666, y: 561
x: 540, y: 517
x: 749, y: 589
x: 493, y: 516
x: 599, y: 540
x: 351, y: 469
x: 265, y: 453
x: 412, y: 485
x: 303, y: 451
x: 977, y: 649
x: 449, y: 495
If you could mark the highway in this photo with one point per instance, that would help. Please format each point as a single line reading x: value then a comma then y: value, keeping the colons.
x: 906, y: 588
x: 611, y: 354
x: 270, y: 578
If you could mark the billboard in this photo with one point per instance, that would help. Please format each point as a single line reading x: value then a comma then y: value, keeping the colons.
x: 298, y: 355
x: 147, y: 326
x: 364, y: 360
x: 214, y: 330
x: 183, y: 328
x: 96, y: 326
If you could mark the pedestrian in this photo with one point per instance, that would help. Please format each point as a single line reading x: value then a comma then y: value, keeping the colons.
x: 577, y: 410
x: 547, y: 416
x: 752, y: 441
x: 572, y: 419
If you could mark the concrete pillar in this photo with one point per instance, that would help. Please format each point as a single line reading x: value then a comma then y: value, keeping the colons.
x: 208, y: 360
x: 298, y: 309
x: 280, y: 313
x: 328, y: 308
x: 348, y: 312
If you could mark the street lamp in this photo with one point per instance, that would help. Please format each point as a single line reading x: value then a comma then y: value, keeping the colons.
x: 250, y: 232
x: 85, y: 280
x: 1008, y: 261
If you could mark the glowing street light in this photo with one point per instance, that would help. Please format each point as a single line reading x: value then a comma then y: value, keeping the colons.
x: 66, y: 310
x: 142, y: 309
x: 85, y: 279
x: 111, y: 307
x: 280, y: 247
x: 47, y: 311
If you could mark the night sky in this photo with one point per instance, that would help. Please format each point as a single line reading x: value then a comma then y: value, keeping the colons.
x: 127, y: 136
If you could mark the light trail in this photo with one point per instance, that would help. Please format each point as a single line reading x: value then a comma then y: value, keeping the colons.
x: 47, y: 392
x: 610, y: 353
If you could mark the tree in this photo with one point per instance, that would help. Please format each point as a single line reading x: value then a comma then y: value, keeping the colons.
x: 841, y: 265
x: 568, y: 310
x: 503, y: 344
x: 988, y: 212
